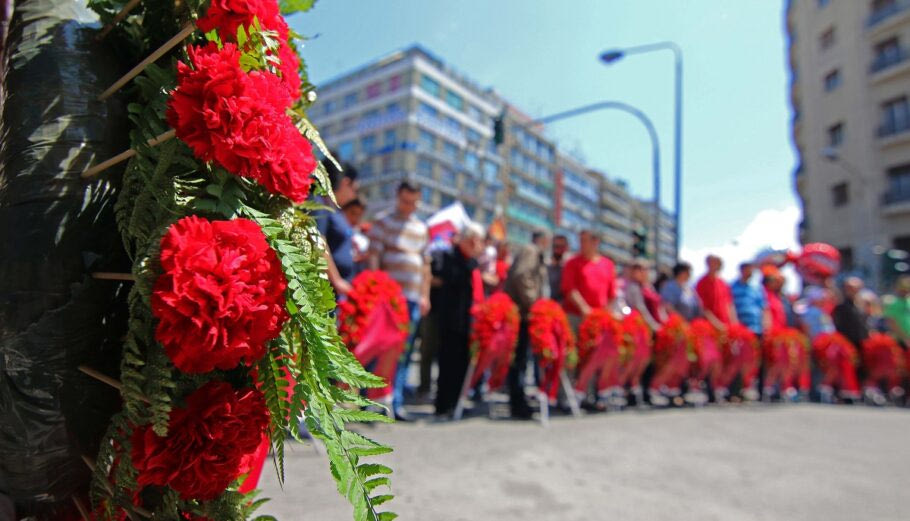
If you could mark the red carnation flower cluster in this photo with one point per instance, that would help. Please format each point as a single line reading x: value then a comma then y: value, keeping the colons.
x: 736, y: 339
x: 883, y: 357
x: 785, y: 345
x: 549, y: 332
x: 220, y: 297
x: 367, y: 289
x: 497, y: 313
x: 829, y: 349
x: 206, y: 442
x: 673, y: 334
x: 239, y: 120
x: 225, y: 16
x: 706, y: 338
x: 636, y: 336
x: 597, y: 323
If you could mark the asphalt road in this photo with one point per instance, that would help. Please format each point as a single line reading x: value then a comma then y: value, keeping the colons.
x: 739, y: 463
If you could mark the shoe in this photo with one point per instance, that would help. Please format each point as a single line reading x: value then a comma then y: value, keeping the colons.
x: 751, y: 394
x: 402, y: 416
x: 522, y: 413
x: 657, y: 399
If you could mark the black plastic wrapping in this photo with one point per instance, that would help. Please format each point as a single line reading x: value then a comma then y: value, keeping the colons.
x: 55, y: 229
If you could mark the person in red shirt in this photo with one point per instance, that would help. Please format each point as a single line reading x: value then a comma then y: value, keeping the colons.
x: 588, y: 278
x: 773, y: 282
x: 716, y: 298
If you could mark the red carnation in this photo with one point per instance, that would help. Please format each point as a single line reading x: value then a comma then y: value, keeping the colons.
x: 206, y: 441
x: 226, y: 15
x: 239, y: 120
x: 550, y: 335
x: 220, y: 297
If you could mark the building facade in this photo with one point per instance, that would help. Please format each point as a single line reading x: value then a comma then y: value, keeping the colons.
x: 849, y: 89
x: 409, y: 116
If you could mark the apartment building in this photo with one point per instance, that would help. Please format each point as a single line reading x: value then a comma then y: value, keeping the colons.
x: 849, y: 88
x: 411, y: 116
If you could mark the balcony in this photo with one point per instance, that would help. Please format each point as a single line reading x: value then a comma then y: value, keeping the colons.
x: 888, y: 66
x: 896, y: 202
x: 894, y: 133
x: 878, y: 18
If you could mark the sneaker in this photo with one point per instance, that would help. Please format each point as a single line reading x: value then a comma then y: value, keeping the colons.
x: 657, y: 399
x: 751, y: 394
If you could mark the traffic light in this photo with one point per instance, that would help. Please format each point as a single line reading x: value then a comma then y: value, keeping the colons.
x: 640, y: 244
x: 498, y: 129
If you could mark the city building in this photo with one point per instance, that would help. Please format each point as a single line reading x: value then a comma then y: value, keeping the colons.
x: 409, y: 116
x: 849, y: 88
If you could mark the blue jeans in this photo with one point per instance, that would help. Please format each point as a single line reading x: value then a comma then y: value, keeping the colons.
x: 401, y: 375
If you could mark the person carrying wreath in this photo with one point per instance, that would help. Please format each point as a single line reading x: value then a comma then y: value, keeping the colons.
x: 526, y: 283
x: 453, y: 281
x: 588, y: 279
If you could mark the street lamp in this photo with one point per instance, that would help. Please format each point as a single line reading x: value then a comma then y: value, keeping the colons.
x: 655, y: 153
x: 612, y: 56
x: 867, y: 245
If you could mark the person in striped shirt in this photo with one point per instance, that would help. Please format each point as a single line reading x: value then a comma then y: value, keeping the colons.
x: 398, y: 246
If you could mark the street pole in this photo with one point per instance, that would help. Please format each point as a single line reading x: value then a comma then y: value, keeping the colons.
x: 614, y: 55
x: 655, y: 153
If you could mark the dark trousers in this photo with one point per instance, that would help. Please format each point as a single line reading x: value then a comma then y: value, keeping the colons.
x: 453, y: 364
x: 517, y: 399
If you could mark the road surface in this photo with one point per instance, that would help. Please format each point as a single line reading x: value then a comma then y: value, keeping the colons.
x: 733, y: 463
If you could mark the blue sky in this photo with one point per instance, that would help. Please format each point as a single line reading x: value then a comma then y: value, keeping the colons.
x: 737, y: 156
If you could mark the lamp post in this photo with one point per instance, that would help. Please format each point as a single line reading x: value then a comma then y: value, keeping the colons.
x: 867, y: 241
x: 611, y: 56
x: 655, y: 152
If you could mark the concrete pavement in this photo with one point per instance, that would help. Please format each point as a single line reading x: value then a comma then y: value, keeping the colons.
x: 734, y: 463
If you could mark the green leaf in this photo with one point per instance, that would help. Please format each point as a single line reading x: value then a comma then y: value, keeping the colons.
x: 296, y: 6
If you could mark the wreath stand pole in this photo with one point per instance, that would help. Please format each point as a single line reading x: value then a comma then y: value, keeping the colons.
x: 106, y: 275
x: 123, y: 156
x: 570, y: 393
x: 465, y: 387
x: 117, y: 19
x: 150, y: 59
x: 81, y: 508
x: 543, y: 400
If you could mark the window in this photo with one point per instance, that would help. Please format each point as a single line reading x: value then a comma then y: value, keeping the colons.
x: 450, y: 150
x: 473, y: 136
x: 426, y: 194
x: 489, y: 195
x: 445, y: 200
x: 839, y: 194
x: 350, y: 99
x: 447, y: 177
x: 346, y: 150
x: 347, y: 123
x: 426, y: 141
x: 425, y: 168
x: 453, y: 123
x: 389, y: 137
x: 392, y: 108
x: 898, y: 184
x: 475, y: 113
x: 427, y: 110
x: 490, y: 172
x: 374, y: 90
x: 470, y: 209
x: 832, y: 80
x: 471, y: 162
x: 836, y: 135
x: 454, y: 100
x: 895, y: 116
x: 429, y: 85
x: 887, y: 53
x: 826, y: 40
x: 329, y: 107
x: 394, y: 83
x: 368, y: 144
x: 823, y: 3
x: 469, y: 185
x: 846, y: 258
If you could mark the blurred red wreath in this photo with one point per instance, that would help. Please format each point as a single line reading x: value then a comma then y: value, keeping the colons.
x: 368, y: 289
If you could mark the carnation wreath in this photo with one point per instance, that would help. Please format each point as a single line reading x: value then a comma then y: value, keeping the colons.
x: 829, y: 349
x: 231, y: 335
x: 368, y: 289
x: 552, y: 342
x: 673, y: 335
x: 636, y: 338
x: 597, y: 323
x: 883, y: 359
x: 494, y: 332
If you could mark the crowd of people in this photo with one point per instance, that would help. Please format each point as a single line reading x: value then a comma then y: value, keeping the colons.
x: 441, y: 285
